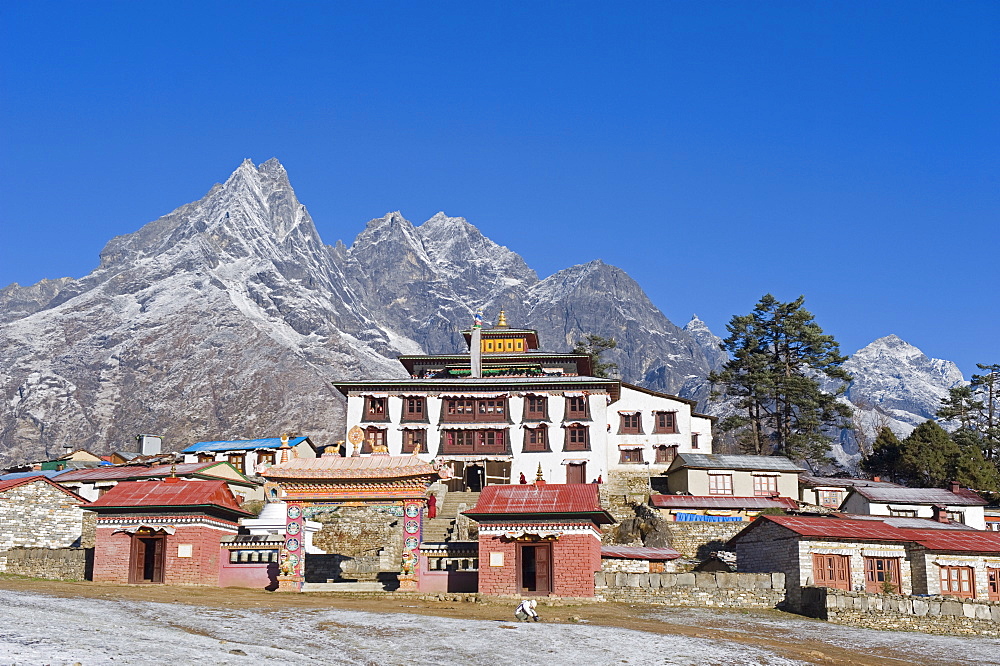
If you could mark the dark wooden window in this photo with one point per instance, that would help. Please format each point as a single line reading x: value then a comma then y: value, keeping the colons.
x: 206, y: 457
x: 102, y: 491
x: 236, y: 460
x: 958, y: 582
x: 832, y: 571
x: 536, y: 439
x: 664, y: 422
x: 903, y: 513
x: 665, y: 454
x: 373, y: 437
x: 882, y: 575
x: 265, y: 458
x: 720, y: 484
x: 577, y: 438
x: 473, y: 441
x: 576, y: 408
x: 993, y: 584
x: 631, y: 424
x: 414, y: 408
x: 535, y: 408
x: 694, y: 440
x: 467, y: 410
x: 415, y: 441
x: 765, y: 486
x: 957, y: 516
x: 375, y: 409
x: 630, y: 456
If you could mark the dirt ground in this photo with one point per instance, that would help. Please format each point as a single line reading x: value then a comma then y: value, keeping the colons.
x: 786, y: 635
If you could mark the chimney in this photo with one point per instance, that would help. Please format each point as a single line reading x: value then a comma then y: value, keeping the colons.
x: 877, y: 479
x: 940, y: 514
x: 954, y: 486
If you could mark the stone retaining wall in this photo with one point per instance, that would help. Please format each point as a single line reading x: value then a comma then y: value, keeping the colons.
x: 699, y: 540
x: 56, y: 563
x: 932, y: 615
x: 729, y: 590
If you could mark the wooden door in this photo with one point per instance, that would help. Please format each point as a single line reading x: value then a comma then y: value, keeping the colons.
x: 148, y: 554
x: 832, y: 571
x: 158, y: 546
x: 137, y: 561
x: 543, y: 569
x: 576, y: 473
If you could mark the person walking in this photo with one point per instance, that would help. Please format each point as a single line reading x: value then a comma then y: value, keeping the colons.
x: 526, y: 610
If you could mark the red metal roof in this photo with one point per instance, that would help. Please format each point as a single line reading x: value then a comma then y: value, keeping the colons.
x: 722, y: 502
x: 639, y: 553
x: 132, y: 471
x: 867, y: 530
x: 182, y: 493
x: 13, y: 483
x: 548, y: 498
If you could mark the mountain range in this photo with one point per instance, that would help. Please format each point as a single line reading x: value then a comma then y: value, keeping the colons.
x: 230, y: 318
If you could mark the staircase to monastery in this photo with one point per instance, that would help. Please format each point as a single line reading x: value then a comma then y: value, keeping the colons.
x: 441, y: 527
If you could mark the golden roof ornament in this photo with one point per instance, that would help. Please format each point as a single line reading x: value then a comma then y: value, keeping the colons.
x: 502, y: 320
x: 538, y: 474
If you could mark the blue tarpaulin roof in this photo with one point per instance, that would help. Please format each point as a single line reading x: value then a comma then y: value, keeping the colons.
x: 697, y: 518
x: 45, y: 472
x: 242, y: 444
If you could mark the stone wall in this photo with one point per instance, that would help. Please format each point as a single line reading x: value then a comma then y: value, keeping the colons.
x: 366, y: 540
x: 932, y: 615
x: 699, y: 540
x: 729, y: 590
x: 56, y: 563
x: 38, y: 514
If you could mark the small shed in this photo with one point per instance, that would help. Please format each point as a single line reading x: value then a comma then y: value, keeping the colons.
x: 539, y: 539
x: 163, y: 531
x: 35, y: 512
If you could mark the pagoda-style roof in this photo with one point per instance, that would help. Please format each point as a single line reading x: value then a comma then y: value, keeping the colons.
x: 532, y: 362
x: 529, y: 335
x: 332, y: 466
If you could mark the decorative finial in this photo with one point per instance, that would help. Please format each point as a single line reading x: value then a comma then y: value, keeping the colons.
x: 502, y: 320
x: 285, y: 448
x: 173, y: 470
x: 538, y: 474
x: 477, y: 321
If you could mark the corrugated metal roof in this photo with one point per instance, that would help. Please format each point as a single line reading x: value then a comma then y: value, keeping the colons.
x: 639, y: 553
x: 901, y: 521
x: 45, y: 472
x: 938, y: 496
x: 713, y: 461
x: 181, y: 493
x: 243, y: 444
x: 133, y: 471
x: 865, y: 530
x: 548, y: 498
x: 721, y: 502
x: 24, y: 480
x: 337, y: 467
x: 811, y: 481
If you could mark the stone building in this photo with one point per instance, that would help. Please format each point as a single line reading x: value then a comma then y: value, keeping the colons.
x: 871, y: 556
x: 163, y: 531
x: 38, y: 513
x: 539, y: 539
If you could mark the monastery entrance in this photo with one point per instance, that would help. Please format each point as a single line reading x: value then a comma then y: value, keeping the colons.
x: 534, y: 568
x: 474, y: 475
x: 146, y: 564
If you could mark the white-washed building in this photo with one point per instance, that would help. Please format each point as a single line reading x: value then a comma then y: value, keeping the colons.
x: 510, y: 410
x: 960, y: 504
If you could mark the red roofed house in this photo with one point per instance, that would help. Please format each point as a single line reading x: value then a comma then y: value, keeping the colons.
x: 871, y: 556
x: 92, y: 483
x: 165, y: 531
x: 540, y: 539
x: 37, y: 513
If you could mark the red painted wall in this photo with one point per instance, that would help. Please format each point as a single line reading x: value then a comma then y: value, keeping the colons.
x: 255, y: 575
x: 112, y: 552
x: 575, y: 558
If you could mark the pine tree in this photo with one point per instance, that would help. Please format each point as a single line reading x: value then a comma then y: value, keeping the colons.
x: 593, y: 346
x: 929, y: 457
x: 884, y: 458
x: 778, y: 356
x: 976, y: 407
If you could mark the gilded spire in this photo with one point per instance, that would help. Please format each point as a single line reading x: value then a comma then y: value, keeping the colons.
x: 538, y: 474
x: 502, y: 321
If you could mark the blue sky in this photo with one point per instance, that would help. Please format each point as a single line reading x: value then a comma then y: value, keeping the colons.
x: 715, y: 151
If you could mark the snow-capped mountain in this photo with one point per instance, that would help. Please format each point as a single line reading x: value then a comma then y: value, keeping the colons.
x: 897, y: 385
x: 229, y: 317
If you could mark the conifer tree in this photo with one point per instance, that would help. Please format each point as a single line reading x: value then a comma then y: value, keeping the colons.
x: 976, y: 407
x: 884, y: 458
x: 594, y: 346
x: 778, y: 356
